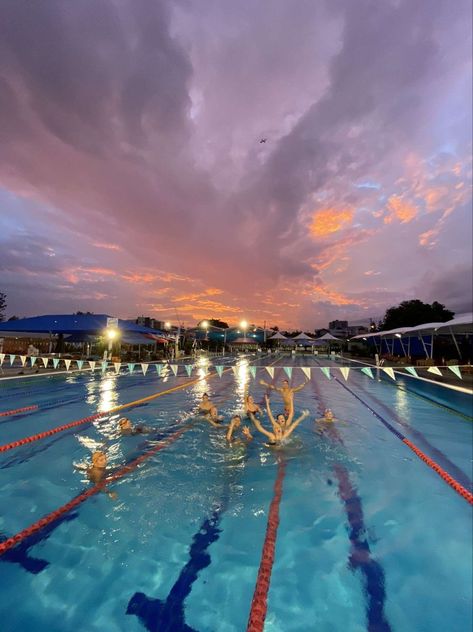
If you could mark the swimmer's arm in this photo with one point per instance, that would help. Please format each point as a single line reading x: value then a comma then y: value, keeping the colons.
x: 270, y: 414
x: 259, y: 427
x: 247, y: 434
x: 300, y: 387
x: 213, y: 423
x: 291, y: 412
x: 273, y: 388
x: 230, y: 430
x: 293, y: 426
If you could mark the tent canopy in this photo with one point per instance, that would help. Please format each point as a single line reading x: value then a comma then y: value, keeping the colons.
x: 302, y: 336
x: 85, y: 324
x: 461, y: 324
x: 329, y: 337
x: 278, y: 336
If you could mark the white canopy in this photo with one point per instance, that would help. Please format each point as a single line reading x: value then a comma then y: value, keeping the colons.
x: 302, y: 336
x: 278, y: 336
x: 329, y: 337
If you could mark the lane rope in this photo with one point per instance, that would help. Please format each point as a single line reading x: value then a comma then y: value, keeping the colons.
x: 259, y: 603
x: 80, y: 498
x: 73, y: 424
x: 18, y: 411
x: 454, y: 484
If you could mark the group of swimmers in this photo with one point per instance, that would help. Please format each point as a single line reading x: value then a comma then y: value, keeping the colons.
x: 282, y: 425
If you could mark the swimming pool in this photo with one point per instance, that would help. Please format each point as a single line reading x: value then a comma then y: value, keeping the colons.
x: 369, y: 536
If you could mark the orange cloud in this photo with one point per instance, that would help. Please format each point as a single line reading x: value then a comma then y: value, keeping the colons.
x: 74, y: 275
x: 107, y: 246
x: 400, y: 209
x: 211, y: 291
x: 139, y: 277
x: 330, y: 220
x: 322, y: 292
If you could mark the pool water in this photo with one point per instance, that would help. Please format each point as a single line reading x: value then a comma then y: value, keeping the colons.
x: 370, y: 537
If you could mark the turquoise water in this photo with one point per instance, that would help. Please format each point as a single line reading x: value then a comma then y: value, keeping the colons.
x: 370, y: 538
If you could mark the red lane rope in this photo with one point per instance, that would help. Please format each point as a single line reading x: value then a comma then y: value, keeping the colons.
x: 259, y: 603
x: 17, y: 411
x: 468, y: 496
x: 77, y: 500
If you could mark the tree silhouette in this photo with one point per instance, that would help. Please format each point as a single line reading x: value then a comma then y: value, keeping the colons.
x: 415, y: 312
x: 3, y: 305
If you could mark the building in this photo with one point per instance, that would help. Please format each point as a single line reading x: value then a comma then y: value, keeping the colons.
x: 152, y: 323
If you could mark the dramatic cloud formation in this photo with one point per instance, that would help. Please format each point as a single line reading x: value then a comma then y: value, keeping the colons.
x: 133, y: 179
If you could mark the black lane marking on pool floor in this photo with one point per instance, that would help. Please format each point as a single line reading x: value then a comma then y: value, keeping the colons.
x: 20, y: 553
x: 360, y: 555
x: 157, y: 615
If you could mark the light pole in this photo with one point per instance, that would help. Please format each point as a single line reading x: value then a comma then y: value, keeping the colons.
x: 111, y: 334
x: 205, y: 325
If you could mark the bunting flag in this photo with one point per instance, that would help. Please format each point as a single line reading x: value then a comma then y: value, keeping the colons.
x: 80, y: 364
x: 55, y: 362
x: 12, y: 358
x: 2, y: 358
x: 92, y: 365
x: 411, y: 370
x: 456, y: 370
x: 22, y: 360
x: 188, y: 369
x: 288, y: 370
x: 389, y: 371
x: 253, y: 371
x: 174, y: 368
x: 219, y: 370
x: 104, y: 366
x: 117, y: 366
x: 367, y: 371
x: 270, y: 370
x: 33, y: 360
x: 345, y: 370
x: 45, y: 362
x: 159, y: 369
x: 435, y: 370
x: 131, y: 367
x: 326, y: 371
x: 306, y: 371
x: 144, y: 367
x: 68, y: 364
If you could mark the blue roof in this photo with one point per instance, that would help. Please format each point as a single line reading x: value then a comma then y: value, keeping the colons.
x: 93, y: 324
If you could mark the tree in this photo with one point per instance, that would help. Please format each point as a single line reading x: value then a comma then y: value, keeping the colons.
x: 3, y: 305
x: 415, y: 312
x: 13, y: 318
x: 214, y: 322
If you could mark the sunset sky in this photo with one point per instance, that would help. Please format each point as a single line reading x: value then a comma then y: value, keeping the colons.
x: 133, y: 180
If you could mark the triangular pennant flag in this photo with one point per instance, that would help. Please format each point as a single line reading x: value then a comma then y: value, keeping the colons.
x: 219, y: 370
x: 22, y: 360
x: 367, y: 371
x: 33, y: 360
x: 188, y: 369
x: 104, y: 366
x: 288, y: 370
x: 270, y: 370
x: 144, y: 367
x: 456, y: 370
x: 55, y: 362
x: 2, y: 358
x: 131, y: 367
x: 306, y: 371
x: 92, y: 365
x: 174, y: 368
x: 159, y: 369
x: 45, y: 362
x: 117, y: 366
x: 411, y: 370
x: 80, y: 364
x: 326, y: 371
x: 12, y: 358
x: 235, y: 370
x: 389, y: 371
x: 345, y: 370
x: 435, y: 370
x: 253, y: 371
x: 68, y: 364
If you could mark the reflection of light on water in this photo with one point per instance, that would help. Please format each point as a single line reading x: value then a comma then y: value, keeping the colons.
x: 402, y: 403
x: 108, y: 393
x: 90, y: 387
x: 242, y: 376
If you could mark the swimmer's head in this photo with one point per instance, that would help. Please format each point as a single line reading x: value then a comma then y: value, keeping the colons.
x: 99, y: 459
x: 205, y: 397
x: 236, y: 419
x: 328, y: 414
x: 285, y: 382
x: 213, y: 411
x: 125, y: 424
x: 281, y: 419
x: 249, y: 399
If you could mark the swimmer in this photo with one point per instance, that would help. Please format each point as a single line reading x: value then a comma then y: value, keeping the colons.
x: 213, y: 418
x: 205, y: 405
x: 235, y: 424
x: 280, y: 432
x: 96, y: 472
x: 287, y: 392
x: 127, y: 428
x: 251, y: 406
x: 328, y: 416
